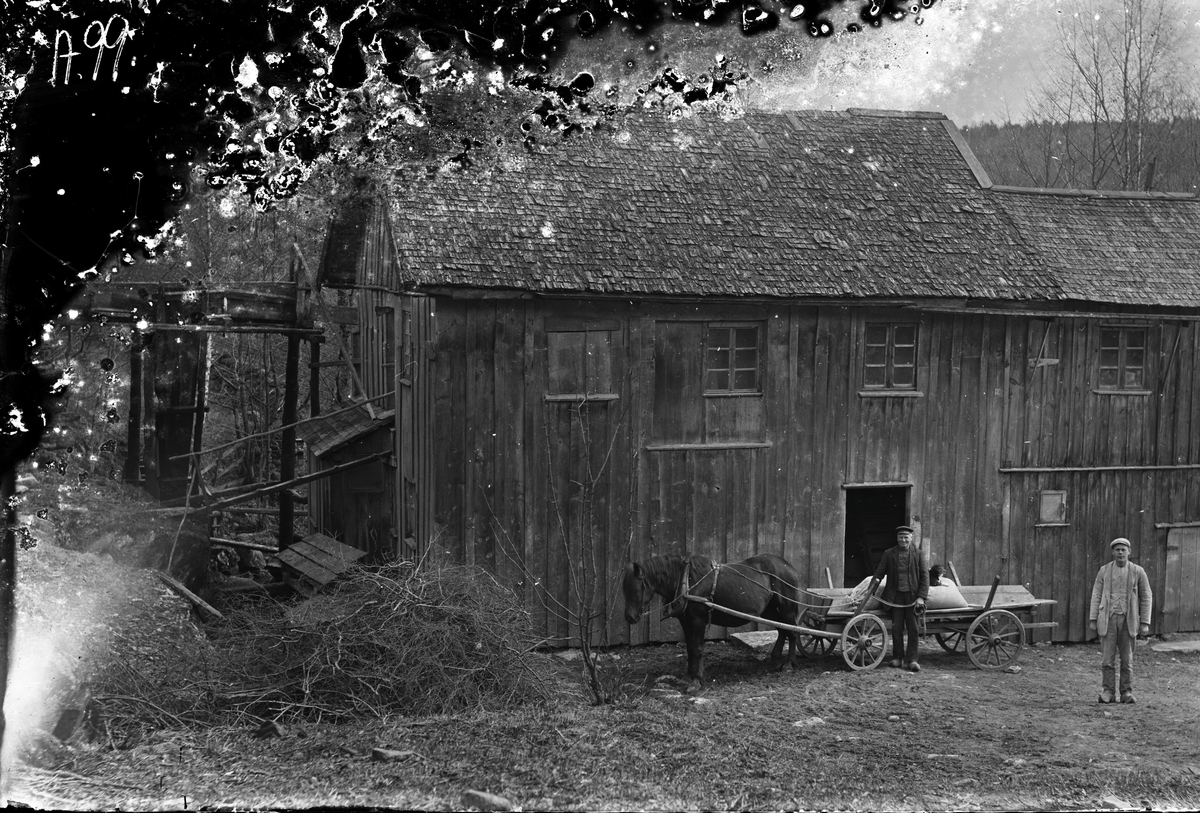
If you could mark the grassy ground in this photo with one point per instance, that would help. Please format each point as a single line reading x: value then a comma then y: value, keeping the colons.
x: 950, y: 738
x: 821, y: 737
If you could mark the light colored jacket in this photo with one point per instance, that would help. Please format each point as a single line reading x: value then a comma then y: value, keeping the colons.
x: 1139, y: 601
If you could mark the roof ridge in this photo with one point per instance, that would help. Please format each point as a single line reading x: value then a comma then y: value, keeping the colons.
x: 1093, y: 193
x: 896, y: 114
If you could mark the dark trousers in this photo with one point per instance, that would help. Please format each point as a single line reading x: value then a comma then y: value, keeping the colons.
x: 904, y: 618
x: 1116, y: 642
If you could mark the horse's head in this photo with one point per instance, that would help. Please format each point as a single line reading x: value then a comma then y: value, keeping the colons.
x: 638, y: 592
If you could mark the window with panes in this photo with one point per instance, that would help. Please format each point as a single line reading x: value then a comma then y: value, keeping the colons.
x: 890, y: 355
x: 1122, y: 358
x: 732, y: 359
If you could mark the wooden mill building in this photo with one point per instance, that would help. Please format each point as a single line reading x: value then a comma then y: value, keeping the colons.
x: 786, y: 333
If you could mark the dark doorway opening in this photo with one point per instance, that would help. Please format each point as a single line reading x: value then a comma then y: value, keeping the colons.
x: 872, y: 514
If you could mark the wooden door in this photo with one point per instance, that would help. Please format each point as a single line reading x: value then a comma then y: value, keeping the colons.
x: 414, y: 489
x: 1181, y: 593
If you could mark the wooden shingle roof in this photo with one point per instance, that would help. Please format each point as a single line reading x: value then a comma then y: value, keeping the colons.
x: 798, y: 204
x: 1113, y: 248
x: 325, y: 433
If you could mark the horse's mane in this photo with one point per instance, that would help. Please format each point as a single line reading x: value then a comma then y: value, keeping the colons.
x: 665, y: 573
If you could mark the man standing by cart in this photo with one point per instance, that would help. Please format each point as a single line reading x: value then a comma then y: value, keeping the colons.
x: 1121, y: 605
x: 906, y: 591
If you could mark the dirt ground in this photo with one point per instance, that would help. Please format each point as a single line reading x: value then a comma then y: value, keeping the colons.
x: 952, y: 737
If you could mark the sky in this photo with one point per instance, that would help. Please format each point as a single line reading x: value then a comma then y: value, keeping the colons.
x: 974, y: 60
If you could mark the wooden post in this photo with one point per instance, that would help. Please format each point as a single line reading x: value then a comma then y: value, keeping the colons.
x: 992, y: 593
x: 133, y: 444
x: 201, y: 392
x: 314, y: 378
x: 287, y: 451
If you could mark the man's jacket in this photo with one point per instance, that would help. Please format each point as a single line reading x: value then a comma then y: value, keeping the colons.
x: 1138, y: 602
x: 918, y: 576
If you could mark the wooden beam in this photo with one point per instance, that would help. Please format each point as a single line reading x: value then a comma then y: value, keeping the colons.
x: 277, y: 429
x: 283, y: 331
x: 287, y: 450
x: 1049, y: 469
x: 266, y: 511
x: 953, y: 573
x: 237, y: 543
x: 776, y: 624
x: 308, y: 478
x: 176, y: 585
x: 314, y: 379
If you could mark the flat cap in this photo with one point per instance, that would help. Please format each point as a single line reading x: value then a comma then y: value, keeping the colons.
x: 1120, y: 540
x: 902, y: 528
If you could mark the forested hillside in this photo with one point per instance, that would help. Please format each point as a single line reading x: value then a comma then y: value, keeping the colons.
x: 1081, y: 155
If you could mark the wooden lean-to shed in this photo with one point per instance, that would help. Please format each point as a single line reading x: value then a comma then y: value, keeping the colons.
x: 357, y: 281
x: 356, y: 505
x: 790, y: 333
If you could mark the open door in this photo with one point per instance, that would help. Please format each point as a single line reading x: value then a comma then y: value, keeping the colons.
x: 872, y: 514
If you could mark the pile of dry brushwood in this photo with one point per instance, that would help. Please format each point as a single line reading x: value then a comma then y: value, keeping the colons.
x: 400, y: 639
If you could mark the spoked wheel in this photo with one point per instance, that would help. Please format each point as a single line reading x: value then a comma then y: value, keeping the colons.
x: 995, y: 639
x: 864, y: 642
x: 816, y: 646
x: 950, y: 641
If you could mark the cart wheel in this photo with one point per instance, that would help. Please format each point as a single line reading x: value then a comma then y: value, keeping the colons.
x: 995, y: 639
x: 816, y: 646
x: 950, y: 641
x: 864, y: 642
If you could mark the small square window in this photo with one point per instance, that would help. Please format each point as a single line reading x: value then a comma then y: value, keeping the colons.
x: 1052, y: 508
x: 1122, y: 358
x: 732, y: 358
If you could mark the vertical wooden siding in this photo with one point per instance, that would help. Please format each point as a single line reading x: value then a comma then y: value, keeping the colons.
x: 992, y: 397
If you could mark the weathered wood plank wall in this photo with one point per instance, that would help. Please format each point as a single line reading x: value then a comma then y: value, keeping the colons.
x: 997, y: 392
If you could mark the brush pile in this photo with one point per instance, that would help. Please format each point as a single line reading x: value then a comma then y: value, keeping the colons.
x: 398, y: 639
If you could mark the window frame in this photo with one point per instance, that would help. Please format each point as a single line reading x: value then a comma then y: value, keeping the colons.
x: 731, y: 369
x: 387, y: 344
x: 889, y: 387
x: 1063, y: 519
x: 556, y: 326
x: 1122, y: 367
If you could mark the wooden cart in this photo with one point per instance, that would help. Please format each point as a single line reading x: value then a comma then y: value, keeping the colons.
x: 992, y: 628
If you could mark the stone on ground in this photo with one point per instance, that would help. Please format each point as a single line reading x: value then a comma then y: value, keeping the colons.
x: 481, y: 800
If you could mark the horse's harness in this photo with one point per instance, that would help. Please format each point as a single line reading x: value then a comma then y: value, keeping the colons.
x: 685, y: 589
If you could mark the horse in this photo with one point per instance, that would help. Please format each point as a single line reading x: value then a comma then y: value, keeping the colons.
x: 765, y: 586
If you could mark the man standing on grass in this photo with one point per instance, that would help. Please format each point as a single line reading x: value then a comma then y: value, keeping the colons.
x: 906, y: 590
x: 1121, y: 604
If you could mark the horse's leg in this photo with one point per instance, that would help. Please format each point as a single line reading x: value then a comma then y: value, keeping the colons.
x: 777, y: 650
x: 695, y: 624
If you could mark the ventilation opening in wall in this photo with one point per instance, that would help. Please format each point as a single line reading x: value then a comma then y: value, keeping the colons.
x: 872, y: 514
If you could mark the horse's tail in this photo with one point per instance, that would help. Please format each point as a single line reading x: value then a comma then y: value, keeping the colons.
x: 787, y: 586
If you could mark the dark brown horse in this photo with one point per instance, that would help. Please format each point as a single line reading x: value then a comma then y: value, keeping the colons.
x: 765, y: 586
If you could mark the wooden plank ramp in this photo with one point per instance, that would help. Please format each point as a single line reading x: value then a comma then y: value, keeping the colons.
x: 315, y: 561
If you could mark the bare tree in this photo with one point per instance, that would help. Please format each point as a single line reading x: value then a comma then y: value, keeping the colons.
x: 1115, y: 94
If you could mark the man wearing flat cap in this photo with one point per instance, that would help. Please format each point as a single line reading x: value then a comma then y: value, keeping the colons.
x: 1121, y: 605
x: 906, y: 590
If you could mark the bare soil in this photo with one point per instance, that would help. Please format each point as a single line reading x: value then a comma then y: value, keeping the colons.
x: 952, y: 737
